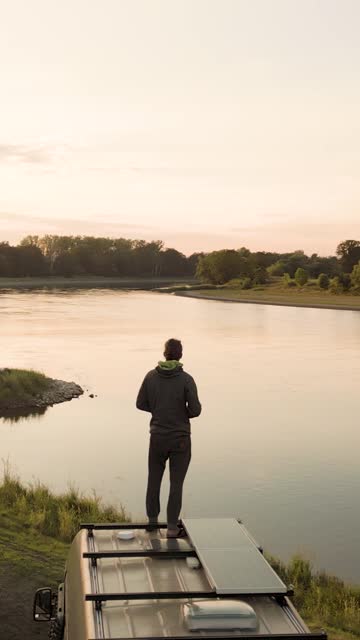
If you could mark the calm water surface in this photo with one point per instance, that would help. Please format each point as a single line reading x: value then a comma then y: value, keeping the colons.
x: 277, y: 443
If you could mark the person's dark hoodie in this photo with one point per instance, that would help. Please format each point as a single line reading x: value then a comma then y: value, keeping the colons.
x: 170, y: 395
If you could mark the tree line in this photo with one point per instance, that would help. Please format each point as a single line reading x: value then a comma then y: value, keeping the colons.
x: 339, y: 273
x: 54, y: 255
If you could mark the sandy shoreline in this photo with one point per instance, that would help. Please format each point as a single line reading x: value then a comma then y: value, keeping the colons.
x: 304, y: 305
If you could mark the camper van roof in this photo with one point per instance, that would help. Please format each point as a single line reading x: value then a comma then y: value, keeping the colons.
x: 137, y: 587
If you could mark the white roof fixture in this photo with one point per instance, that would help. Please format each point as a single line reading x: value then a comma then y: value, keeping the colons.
x: 219, y: 615
x: 127, y: 534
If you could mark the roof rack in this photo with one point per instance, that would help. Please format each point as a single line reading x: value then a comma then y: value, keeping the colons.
x: 203, y: 543
x: 315, y: 635
x: 176, y: 595
x: 94, y: 526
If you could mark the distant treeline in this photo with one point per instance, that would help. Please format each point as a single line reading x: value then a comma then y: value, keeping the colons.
x: 219, y: 267
x: 53, y: 255
x: 68, y: 256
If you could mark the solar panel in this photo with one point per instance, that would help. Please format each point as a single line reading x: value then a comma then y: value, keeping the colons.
x: 230, y: 557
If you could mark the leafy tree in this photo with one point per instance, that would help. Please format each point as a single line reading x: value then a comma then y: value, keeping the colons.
x: 203, y: 272
x: 277, y: 269
x: 336, y: 285
x: 345, y: 280
x: 67, y: 264
x: 173, y: 263
x: 349, y: 254
x: 261, y: 276
x: 193, y: 262
x: 53, y: 246
x: 327, y: 265
x: 4, y: 267
x: 219, y: 267
x: 264, y: 258
x: 147, y: 259
x: 301, y: 277
x: 296, y: 260
x: 355, y: 276
x: 323, y: 281
x: 29, y: 261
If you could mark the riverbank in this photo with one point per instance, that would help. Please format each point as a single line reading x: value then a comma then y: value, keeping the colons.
x: 22, y: 389
x: 36, y: 528
x: 274, y: 295
x: 31, y: 558
x: 90, y: 282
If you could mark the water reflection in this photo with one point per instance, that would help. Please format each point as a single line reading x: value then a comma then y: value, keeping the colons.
x: 20, y: 415
x: 278, y: 440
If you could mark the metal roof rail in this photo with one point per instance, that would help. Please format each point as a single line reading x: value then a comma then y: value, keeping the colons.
x: 314, y: 635
x: 176, y: 595
x: 143, y: 553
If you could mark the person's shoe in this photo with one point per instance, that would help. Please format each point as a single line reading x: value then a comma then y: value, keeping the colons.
x: 179, y: 532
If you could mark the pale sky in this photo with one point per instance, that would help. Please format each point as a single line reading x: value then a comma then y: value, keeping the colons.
x: 204, y: 123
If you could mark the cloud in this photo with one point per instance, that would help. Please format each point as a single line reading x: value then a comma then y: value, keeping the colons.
x: 14, y: 226
x: 25, y: 154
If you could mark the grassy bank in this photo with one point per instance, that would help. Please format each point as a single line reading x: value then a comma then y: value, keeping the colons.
x: 89, y: 282
x: 53, y: 515
x: 37, y: 525
x: 21, y: 385
x: 276, y: 294
x: 322, y: 599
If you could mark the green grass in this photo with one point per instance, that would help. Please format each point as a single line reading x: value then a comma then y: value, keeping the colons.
x: 26, y: 549
x: 20, y: 385
x: 276, y: 293
x: 53, y: 515
x: 323, y: 600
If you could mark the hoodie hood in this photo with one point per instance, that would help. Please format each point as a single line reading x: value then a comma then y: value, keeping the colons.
x: 169, y: 368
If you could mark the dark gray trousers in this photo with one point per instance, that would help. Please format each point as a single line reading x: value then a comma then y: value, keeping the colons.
x: 176, y: 449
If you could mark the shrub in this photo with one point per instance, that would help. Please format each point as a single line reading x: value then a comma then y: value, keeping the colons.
x: 246, y: 283
x: 336, y: 286
x: 323, y: 281
x: 345, y: 280
x: 261, y: 276
x: 277, y: 269
x: 239, y: 283
x: 288, y: 281
x: 234, y: 283
x: 301, y: 277
x: 355, y: 277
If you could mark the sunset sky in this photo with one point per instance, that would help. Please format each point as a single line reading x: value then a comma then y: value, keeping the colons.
x: 205, y: 123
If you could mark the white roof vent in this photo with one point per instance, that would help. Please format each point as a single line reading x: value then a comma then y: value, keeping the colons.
x: 219, y: 614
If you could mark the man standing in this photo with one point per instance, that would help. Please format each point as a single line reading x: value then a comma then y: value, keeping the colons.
x: 170, y: 395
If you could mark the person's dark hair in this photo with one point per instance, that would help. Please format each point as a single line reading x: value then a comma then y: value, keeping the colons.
x: 173, y: 349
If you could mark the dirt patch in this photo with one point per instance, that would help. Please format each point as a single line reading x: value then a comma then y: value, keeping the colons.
x: 28, y: 561
x: 16, y: 601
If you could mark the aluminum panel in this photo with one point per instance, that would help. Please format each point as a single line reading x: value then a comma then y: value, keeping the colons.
x: 215, y: 533
x: 230, y: 557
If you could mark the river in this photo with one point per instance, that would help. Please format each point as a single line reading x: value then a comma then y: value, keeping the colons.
x: 277, y: 444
